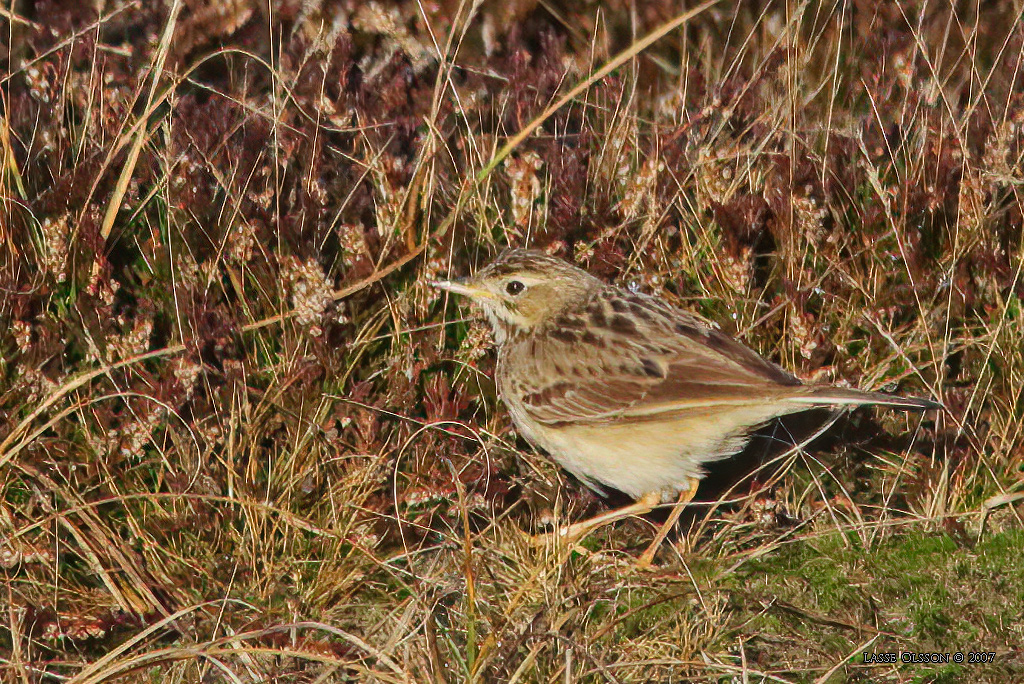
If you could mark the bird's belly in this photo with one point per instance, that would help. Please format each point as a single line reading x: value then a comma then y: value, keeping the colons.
x: 639, y: 458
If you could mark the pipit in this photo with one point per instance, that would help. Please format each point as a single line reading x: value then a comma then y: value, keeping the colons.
x: 624, y: 390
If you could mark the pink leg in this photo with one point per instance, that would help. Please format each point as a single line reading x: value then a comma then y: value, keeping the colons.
x: 673, y: 517
x: 577, y: 531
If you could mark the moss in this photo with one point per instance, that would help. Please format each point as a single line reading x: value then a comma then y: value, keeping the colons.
x: 923, y: 592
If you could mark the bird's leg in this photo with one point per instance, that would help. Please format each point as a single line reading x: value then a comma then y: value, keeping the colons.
x: 577, y: 531
x: 673, y: 517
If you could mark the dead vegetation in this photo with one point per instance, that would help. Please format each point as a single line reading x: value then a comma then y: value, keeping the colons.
x: 240, y: 440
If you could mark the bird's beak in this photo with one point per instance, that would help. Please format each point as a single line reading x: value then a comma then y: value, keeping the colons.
x: 464, y: 288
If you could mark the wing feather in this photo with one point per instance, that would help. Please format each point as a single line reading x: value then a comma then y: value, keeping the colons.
x: 661, y: 361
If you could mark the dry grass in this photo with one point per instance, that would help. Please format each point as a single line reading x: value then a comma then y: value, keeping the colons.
x: 240, y: 440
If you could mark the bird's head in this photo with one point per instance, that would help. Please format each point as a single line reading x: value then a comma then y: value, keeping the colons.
x: 522, y: 289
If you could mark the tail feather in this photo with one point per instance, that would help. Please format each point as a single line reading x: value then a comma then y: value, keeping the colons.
x: 842, y: 396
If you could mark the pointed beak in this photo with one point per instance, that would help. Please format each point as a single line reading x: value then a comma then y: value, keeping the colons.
x: 462, y: 287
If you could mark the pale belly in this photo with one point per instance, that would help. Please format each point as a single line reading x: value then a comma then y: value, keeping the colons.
x: 659, y: 455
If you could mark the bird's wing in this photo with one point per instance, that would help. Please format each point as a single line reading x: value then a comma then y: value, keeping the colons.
x: 632, y: 356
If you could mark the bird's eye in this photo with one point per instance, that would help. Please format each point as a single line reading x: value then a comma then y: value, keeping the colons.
x: 514, y: 287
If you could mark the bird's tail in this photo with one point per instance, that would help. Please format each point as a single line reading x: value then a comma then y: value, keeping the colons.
x: 842, y: 396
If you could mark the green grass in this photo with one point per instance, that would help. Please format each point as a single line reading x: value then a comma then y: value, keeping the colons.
x: 916, y: 592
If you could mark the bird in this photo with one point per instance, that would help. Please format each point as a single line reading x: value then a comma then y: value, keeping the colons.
x: 626, y: 391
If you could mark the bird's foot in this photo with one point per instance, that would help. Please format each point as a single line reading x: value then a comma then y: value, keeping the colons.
x: 571, y: 535
x: 647, y: 559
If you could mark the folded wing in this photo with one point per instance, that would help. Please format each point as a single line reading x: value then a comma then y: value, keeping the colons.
x: 646, y: 360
